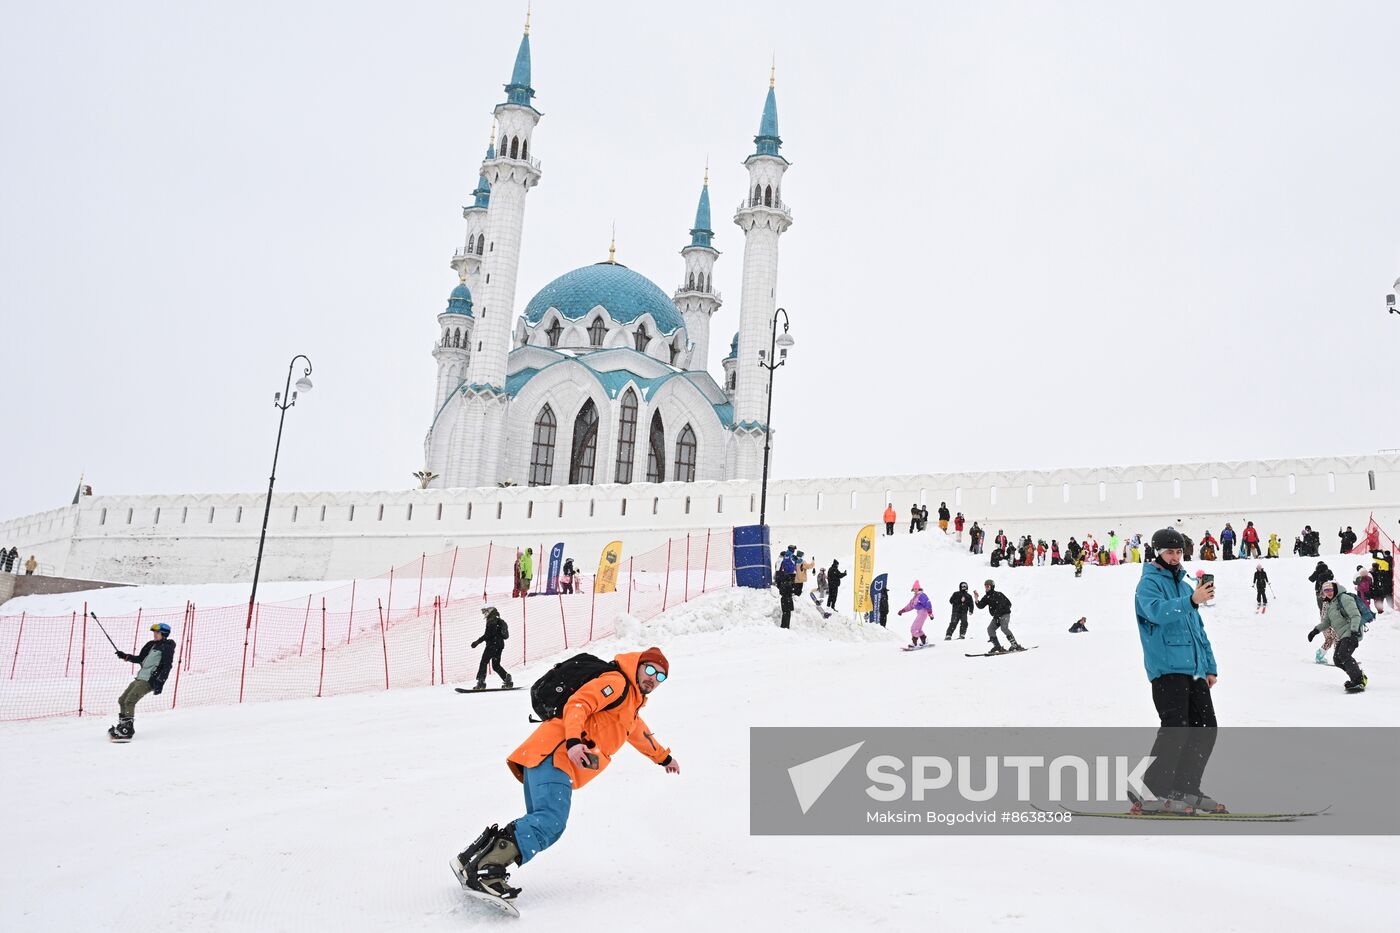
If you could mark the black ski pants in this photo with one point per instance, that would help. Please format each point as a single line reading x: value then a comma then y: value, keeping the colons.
x: 889, y: 528
x: 1186, y: 737
x: 1002, y: 622
x: 1261, y: 597
x: 1342, y: 657
x: 491, y: 656
x: 959, y: 618
x: 831, y: 595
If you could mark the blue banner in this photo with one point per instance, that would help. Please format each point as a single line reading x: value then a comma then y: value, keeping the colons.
x: 876, y: 587
x: 556, y: 559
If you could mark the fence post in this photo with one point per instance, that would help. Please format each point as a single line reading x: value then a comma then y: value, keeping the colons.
x: 189, y: 638
x: 630, y: 585
x: 450, y: 574
x: 705, y: 571
x: 301, y: 646
x: 432, y: 648
x: 422, y: 560
x: 666, y: 587
x: 390, y: 608
x: 321, y: 682
x: 68, y: 659
x: 563, y: 623
x: 385, y: 642
x: 350, y: 624
x: 18, y: 638
x: 486, y: 580
x: 524, y: 629
x: 257, y: 618
x: 442, y: 644
x: 136, y: 632
x: 184, y: 644
x: 593, y: 607
x: 685, y: 589
x: 82, y: 662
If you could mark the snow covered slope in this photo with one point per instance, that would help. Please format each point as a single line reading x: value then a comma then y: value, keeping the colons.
x: 340, y: 814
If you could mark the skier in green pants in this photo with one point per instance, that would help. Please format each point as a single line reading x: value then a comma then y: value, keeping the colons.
x: 156, y: 658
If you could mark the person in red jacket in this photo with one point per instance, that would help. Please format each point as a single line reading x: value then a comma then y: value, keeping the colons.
x: 958, y: 522
x: 1250, y: 539
x: 891, y: 516
x: 561, y: 756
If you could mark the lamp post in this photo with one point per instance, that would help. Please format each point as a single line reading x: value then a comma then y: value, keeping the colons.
x: 281, y: 401
x: 1390, y: 299
x: 771, y: 359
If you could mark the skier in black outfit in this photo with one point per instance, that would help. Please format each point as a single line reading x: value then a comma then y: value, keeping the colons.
x: 1320, y: 575
x: 834, y: 576
x: 1261, y: 580
x: 999, y: 606
x: 883, y: 610
x: 1348, y: 539
x: 156, y: 658
x: 962, y: 604
x: 495, y: 638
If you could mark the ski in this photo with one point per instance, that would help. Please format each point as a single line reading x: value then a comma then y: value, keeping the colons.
x: 484, y: 689
x: 992, y: 654
x: 1202, y: 817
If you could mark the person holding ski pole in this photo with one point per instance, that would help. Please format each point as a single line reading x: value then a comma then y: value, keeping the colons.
x: 495, y: 638
x: 1261, y: 581
x: 156, y: 658
x: 600, y: 709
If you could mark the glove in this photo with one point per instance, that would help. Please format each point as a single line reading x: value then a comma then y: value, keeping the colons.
x: 121, y: 655
x: 1312, y: 634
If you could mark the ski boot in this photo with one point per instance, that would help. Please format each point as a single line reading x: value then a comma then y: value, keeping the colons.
x: 1016, y: 646
x: 1320, y: 658
x: 961, y: 637
x: 507, y: 684
x: 1204, y: 804
x: 480, y: 685
x: 1172, y: 805
x: 123, y: 731
x: 923, y: 640
x: 947, y: 637
x: 1355, y: 686
x: 996, y: 649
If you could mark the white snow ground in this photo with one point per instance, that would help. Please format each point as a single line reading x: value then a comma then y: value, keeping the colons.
x: 340, y: 814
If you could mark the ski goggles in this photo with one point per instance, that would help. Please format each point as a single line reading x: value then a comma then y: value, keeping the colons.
x: 651, y: 670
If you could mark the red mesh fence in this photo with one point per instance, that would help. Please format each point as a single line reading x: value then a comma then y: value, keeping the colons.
x: 410, y: 627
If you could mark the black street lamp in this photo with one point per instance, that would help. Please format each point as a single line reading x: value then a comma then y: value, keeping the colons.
x: 290, y: 396
x: 1390, y: 299
x: 771, y: 359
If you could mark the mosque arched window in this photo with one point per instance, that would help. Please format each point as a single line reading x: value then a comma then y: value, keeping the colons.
x: 768, y: 196
x: 457, y: 337
x: 626, y: 438
x: 542, y: 449
x: 676, y: 351
x: 447, y: 337
x: 642, y: 338
x: 515, y: 147
x: 525, y: 149
x: 729, y: 382
x: 685, y: 456
x: 757, y: 195
x: 596, y: 332
x: 656, y: 451
x: 480, y: 243
x: 690, y: 281
x: 585, y: 445
x: 554, y: 332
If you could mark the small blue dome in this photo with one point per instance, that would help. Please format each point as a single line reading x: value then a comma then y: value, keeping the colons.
x: 734, y: 347
x: 460, y: 301
x: 626, y: 295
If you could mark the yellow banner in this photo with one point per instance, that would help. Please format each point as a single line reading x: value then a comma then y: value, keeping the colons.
x: 608, y: 565
x: 865, y: 567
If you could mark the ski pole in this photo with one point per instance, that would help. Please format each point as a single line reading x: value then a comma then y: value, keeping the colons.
x: 104, y: 632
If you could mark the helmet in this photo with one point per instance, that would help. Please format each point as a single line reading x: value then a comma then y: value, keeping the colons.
x: 487, y: 610
x: 991, y: 583
x: 161, y: 627
x: 962, y: 586
x: 1168, y: 539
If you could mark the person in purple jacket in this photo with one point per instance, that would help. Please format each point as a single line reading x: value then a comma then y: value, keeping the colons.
x: 922, y: 608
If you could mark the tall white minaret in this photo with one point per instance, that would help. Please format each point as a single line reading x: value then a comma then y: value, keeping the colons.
x: 697, y: 299
x: 476, y: 455
x: 466, y: 262
x: 764, y: 218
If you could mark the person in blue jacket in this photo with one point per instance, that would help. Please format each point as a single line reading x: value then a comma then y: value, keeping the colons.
x: 1181, y: 666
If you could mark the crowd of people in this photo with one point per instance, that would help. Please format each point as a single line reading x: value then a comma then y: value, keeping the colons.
x: 9, y: 562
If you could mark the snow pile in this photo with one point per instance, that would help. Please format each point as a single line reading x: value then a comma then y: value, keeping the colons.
x: 341, y: 813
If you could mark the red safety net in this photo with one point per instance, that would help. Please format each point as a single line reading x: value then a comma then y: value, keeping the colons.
x: 410, y: 627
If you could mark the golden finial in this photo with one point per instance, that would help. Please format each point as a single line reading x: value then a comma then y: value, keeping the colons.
x: 527, y: 19
x: 707, y: 171
x: 612, y: 246
x: 773, y: 72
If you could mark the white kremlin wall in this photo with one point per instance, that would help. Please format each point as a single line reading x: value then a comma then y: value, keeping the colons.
x: 343, y: 535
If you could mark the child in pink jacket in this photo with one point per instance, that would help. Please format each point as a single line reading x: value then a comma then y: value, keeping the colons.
x: 919, y: 602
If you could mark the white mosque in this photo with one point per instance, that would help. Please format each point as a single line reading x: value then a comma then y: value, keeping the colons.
x: 600, y: 379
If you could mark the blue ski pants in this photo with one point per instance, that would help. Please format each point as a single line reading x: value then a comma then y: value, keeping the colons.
x: 548, y: 793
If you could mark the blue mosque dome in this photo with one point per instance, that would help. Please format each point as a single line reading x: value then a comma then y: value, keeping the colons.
x: 460, y: 301
x: 625, y: 294
x: 734, y: 347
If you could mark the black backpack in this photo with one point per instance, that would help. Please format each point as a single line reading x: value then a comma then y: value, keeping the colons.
x: 549, y: 694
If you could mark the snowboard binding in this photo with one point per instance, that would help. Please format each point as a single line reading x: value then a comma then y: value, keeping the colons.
x: 123, y: 731
x: 483, y: 866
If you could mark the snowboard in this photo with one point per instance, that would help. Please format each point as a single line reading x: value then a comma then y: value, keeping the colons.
x: 821, y: 607
x: 988, y: 654
x: 505, y: 907
x: 915, y: 647
x: 484, y: 689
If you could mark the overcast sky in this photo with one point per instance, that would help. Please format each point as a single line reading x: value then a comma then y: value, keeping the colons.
x: 1026, y: 234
